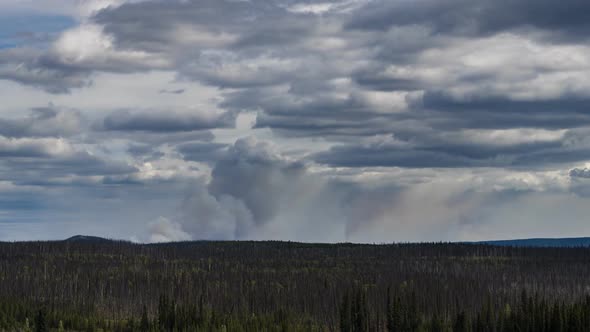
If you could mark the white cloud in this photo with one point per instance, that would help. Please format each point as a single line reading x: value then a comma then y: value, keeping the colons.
x: 87, y: 45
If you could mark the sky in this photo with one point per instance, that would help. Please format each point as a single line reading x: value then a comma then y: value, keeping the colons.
x: 318, y: 121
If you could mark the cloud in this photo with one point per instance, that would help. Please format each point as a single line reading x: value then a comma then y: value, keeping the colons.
x: 87, y: 47
x: 504, y: 148
x: 583, y: 173
x: 43, y: 122
x: 159, y: 121
x: 368, y: 120
x: 71, y: 8
x: 71, y: 60
x: 174, y: 92
x: 475, y: 18
x: 54, y: 161
x: 34, y: 148
x: 38, y: 69
x: 202, y: 151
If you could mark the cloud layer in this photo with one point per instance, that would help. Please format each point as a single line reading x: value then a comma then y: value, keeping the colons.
x: 346, y: 120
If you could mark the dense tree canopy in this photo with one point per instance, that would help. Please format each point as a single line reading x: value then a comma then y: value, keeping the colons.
x: 283, y: 286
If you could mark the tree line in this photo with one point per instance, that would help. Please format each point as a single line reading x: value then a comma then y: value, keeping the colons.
x: 285, y: 286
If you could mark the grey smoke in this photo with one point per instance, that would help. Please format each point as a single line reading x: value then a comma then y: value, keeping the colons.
x: 256, y: 193
x: 251, y: 188
x: 165, y: 230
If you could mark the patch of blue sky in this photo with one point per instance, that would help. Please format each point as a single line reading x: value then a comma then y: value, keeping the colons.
x: 31, y: 30
x: 21, y: 202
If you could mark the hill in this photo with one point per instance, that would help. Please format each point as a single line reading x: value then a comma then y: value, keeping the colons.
x: 87, y: 239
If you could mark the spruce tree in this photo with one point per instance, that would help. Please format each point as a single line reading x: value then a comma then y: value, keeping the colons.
x: 145, y: 323
x: 346, y: 314
x: 41, y: 322
x: 461, y: 324
x: 556, y: 324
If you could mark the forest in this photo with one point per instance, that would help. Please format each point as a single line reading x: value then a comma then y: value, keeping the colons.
x: 287, y: 286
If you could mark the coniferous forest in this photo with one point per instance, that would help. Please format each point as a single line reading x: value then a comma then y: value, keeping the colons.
x: 284, y: 286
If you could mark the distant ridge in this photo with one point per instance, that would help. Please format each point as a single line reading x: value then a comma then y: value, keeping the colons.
x: 543, y: 242
x: 87, y: 239
x: 532, y: 242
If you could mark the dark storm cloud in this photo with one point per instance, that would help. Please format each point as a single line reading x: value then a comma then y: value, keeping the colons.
x: 329, y: 75
x: 79, y: 163
x: 583, y: 173
x: 287, y: 31
x: 202, y: 151
x: 358, y: 156
x: 152, y: 138
x: 38, y: 164
x: 134, y: 24
x: 447, y: 112
x: 49, y: 161
x: 440, y: 152
x: 505, y: 119
x: 160, y: 121
x: 312, y: 114
x: 325, y: 126
x: 350, y: 117
x: 377, y: 82
x: 42, y: 70
x: 24, y: 148
x: 229, y: 44
x: 43, y: 122
x: 564, y: 106
x: 468, y: 17
x: 144, y: 151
